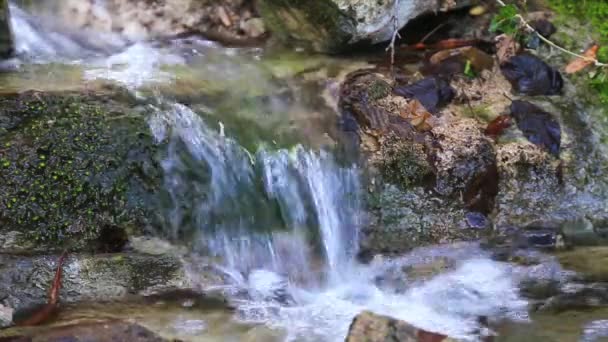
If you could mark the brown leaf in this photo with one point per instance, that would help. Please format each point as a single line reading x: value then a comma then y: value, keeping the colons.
x: 581, y: 63
x: 417, y: 115
x: 506, y: 47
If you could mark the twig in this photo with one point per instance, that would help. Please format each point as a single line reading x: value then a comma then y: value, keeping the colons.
x: 396, y: 34
x: 529, y: 27
x: 428, y: 35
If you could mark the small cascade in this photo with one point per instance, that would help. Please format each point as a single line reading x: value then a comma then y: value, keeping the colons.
x: 275, y: 209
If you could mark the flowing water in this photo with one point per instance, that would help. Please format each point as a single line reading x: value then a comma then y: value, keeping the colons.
x: 281, y: 217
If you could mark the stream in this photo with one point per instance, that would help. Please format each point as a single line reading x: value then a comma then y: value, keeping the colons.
x: 260, y: 187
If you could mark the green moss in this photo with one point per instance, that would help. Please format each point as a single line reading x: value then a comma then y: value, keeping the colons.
x: 591, y: 14
x: 404, y: 163
x: 71, y: 163
x: 379, y: 89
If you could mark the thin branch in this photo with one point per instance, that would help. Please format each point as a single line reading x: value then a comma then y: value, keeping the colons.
x: 529, y: 27
x: 396, y: 34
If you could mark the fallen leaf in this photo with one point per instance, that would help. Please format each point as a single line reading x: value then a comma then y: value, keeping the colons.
x: 417, y: 115
x: 581, y: 63
x: 538, y: 126
x: 498, y: 125
x: 529, y: 75
x: 432, y: 92
x: 506, y: 47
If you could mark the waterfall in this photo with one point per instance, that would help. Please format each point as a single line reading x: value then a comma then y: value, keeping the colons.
x: 272, y: 209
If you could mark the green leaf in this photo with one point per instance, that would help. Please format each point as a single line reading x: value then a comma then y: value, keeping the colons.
x: 505, y: 20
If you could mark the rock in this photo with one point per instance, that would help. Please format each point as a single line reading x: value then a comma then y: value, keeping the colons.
x: 24, y: 281
x: 590, y: 263
x: 104, y: 331
x: 333, y: 25
x: 6, y: 34
x: 6, y: 316
x: 369, y: 327
x: 78, y: 169
x: 426, y: 172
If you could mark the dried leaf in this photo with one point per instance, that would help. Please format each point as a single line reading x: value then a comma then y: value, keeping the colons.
x: 506, y: 47
x: 531, y: 76
x: 498, y: 125
x: 432, y: 92
x: 580, y: 63
x: 538, y: 126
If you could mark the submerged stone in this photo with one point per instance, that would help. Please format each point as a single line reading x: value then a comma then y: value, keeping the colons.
x: 103, y: 331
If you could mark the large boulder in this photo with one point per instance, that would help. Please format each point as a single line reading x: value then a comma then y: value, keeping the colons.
x: 333, y: 25
x: 369, y: 327
x: 6, y: 35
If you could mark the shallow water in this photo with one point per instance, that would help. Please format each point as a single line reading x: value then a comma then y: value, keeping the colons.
x: 255, y: 179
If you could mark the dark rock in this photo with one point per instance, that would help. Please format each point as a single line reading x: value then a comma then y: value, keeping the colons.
x: 432, y: 92
x: 544, y: 27
x: 583, y: 297
x: 531, y: 76
x: 537, y: 125
x: 104, y: 331
x: 369, y: 327
x: 6, y: 34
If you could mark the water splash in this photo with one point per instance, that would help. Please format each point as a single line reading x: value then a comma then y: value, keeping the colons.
x: 317, y: 214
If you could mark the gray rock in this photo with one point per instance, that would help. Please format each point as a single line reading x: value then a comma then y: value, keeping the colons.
x: 6, y: 34
x: 369, y: 327
x: 332, y: 25
x: 25, y: 281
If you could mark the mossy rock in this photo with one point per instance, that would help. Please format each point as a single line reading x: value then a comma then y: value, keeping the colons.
x: 74, y: 168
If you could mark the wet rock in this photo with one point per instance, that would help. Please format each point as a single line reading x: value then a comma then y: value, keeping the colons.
x: 369, y: 327
x: 531, y: 76
x: 404, y: 219
x: 333, y: 25
x: 104, y: 331
x: 24, y: 281
x: 77, y: 170
x: 432, y: 92
x: 6, y: 34
x: 537, y: 125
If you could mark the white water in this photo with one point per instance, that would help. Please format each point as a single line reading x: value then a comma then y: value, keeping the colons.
x: 283, y: 223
